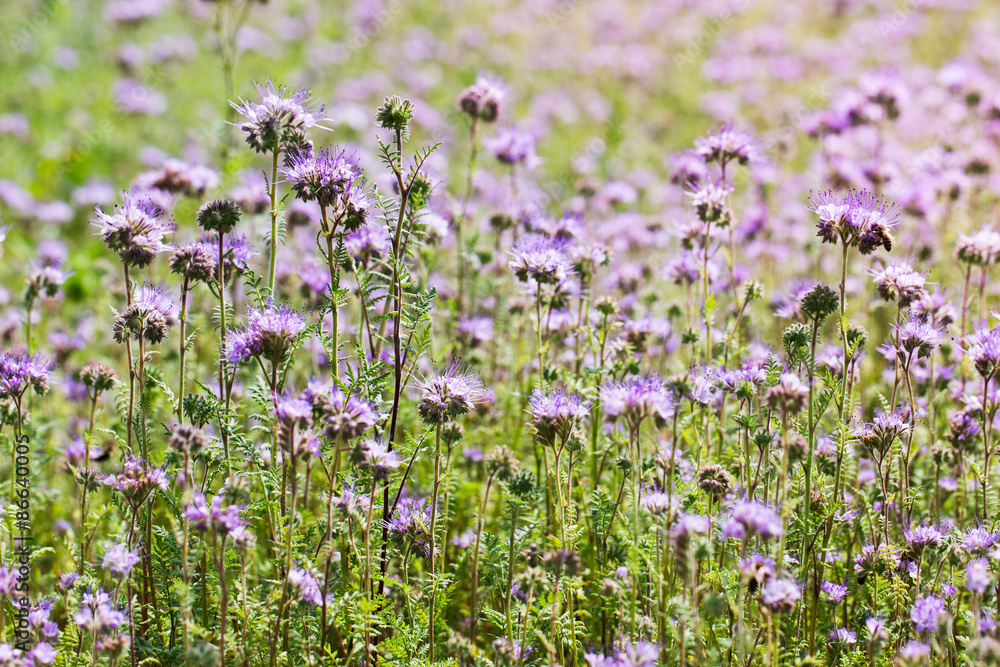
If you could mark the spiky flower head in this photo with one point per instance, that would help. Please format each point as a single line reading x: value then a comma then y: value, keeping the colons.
x: 710, y: 202
x: 269, y: 334
x: 819, y: 302
x: 148, y: 318
x: 901, y: 283
x: 916, y: 335
x: 97, y: 377
x: 187, y: 439
x: 344, y: 417
x: 194, y: 262
x: 395, y: 114
x: 728, y: 144
x: 789, y: 396
x: 980, y: 249
x: 555, y: 414
x: 984, y: 350
x: 858, y: 219
x: 135, y: 230
x: 541, y: 258
x: 137, y: 480
x: 280, y: 120
x: 325, y: 176
x: 714, y: 480
x: 219, y: 215
x: 18, y: 373
x: 449, y: 393
x: 637, y: 398
x: 502, y: 463
x: 878, y: 435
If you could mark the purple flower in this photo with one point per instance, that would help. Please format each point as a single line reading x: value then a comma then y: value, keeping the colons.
x: 901, y: 283
x: 374, y: 456
x: 750, y: 517
x: 449, y: 393
x: 304, y: 586
x: 978, y: 576
x: 19, y: 373
x: 325, y: 176
x: 269, y: 333
x: 137, y: 480
x: 636, y: 398
x: 513, y: 147
x: 858, y: 219
x: 344, y: 417
x: 927, y: 613
x: 280, y: 120
x: 134, y: 231
x: 834, y: 592
x: 728, y: 144
x: 554, y: 415
x: 214, y: 517
x: 482, y: 100
x: 876, y: 630
x: 920, y: 537
x: 542, y: 259
x: 984, y: 350
x: 978, y: 540
x: 119, y: 560
x: 411, y: 521
x: 843, y: 636
x: 781, y: 595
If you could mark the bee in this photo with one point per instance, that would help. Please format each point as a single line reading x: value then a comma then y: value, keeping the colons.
x: 884, y: 236
x: 103, y: 453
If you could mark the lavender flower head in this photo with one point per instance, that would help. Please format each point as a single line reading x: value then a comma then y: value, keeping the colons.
x: 750, y: 517
x: 781, y: 596
x: 280, y: 120
x: 137, y: 481
x: 482, y: 100
x: 22, y: 372
x: 269, y: 333
x: 544, y: 259
x: 512, y: 147
x: 148, y: 318
x: 554, y: 415
x: 119, y: 560
x: 901, y: 283
x: 728, y: 144
x: 636, y: 398
x: 343, y: 417
x: 449, y: 393
x: 135, y: 230
x: 323, y: 176
x: 928, y: 612
x: 858, y: 219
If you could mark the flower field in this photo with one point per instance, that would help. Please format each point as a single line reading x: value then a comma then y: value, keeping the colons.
x: 496, y: 333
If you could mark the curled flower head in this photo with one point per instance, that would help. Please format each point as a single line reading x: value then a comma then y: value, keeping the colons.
x: 137, y: 480
x: 119, y: 560
x: 324, y: 176
x: 135, y: 230
x: 636, y: 398
x: 194, y: 262
x: 18, y: 373
x: 979, y: 249
x: 554, y: 415
x: 449, y: 393
x: 728, y: 144
x: 148, y: 318
x: 344, y: 417
x: 269, y: 334
x: 541, y: 258
x: 899, y: 282
x: 857, y: 219
x: 281, y: 119
x: 482, y: 100
x: 984, y: 350
x: 916, y: 336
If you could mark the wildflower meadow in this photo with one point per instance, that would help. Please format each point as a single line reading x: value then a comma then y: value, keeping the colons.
x: 499, y: 333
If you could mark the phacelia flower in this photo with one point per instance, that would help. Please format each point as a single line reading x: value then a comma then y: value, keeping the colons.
x: 449, y: 393
x: 927, y: 613
x: 269, y: 333
x: 280, y: 120
x: 748, y: 518
x: 135, y: 230
x: 636, y: 398
x: 541, y: 258
x: 482, y: 100
x: 858, y: 219
x: 781, y: 595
